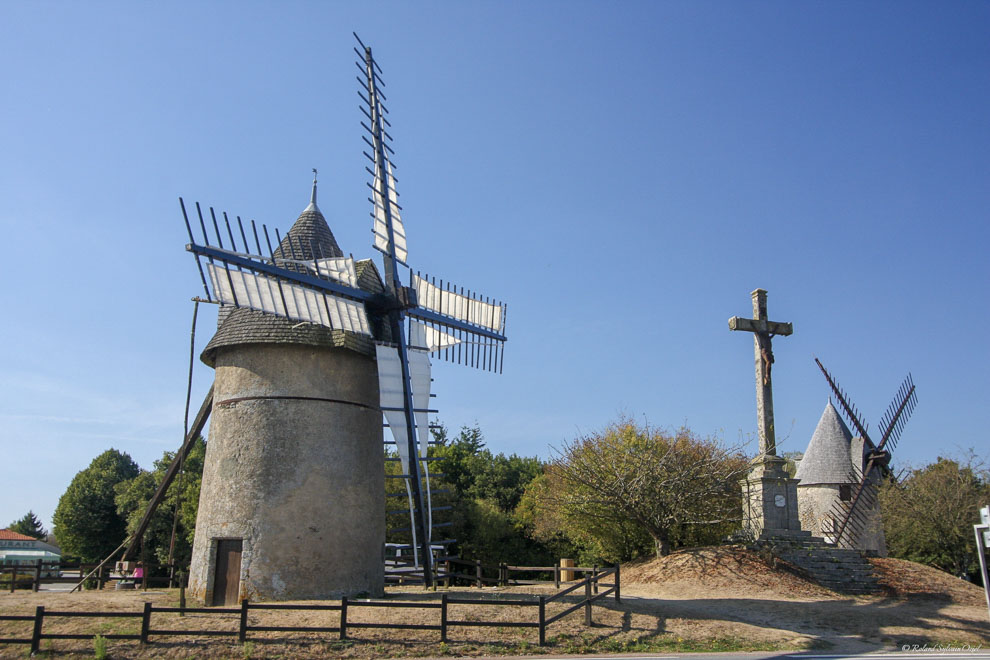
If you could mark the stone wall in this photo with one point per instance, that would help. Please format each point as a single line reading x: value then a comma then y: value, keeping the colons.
x: 815, y: 502
x: 295, y: 468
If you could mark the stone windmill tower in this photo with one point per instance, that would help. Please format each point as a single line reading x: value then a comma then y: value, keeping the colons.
x: 828, y: 474
x: 293, y: 479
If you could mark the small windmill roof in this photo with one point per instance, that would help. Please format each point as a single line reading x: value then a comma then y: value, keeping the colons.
x: 827, y: 459
x: 310, y: 237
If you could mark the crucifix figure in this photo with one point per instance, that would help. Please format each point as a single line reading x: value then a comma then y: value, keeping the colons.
x: 763, y: 330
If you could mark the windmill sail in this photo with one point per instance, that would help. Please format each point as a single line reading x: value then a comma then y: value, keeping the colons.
x: 429, y: 338
x: 387, y: 214
x: 341, y: 269
x: 458, y: 306
x: 267, y: 294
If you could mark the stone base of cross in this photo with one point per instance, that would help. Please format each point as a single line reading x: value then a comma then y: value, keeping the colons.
x: 770, y: 505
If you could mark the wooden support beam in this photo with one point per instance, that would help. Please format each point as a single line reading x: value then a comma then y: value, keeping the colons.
x: 197, y: 428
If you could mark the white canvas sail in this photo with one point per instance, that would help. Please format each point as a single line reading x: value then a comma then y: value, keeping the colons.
x: 460, y: 307
x: 282, y: 298
x: 392, y: 403
x: 341, y: 269
x: 429, y: 338
x: 381, y: 224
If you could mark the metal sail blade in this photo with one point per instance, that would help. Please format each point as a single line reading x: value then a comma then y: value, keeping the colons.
x: 267, y: 294
x: 390, y: 234
x: 386, y: 213
x: 898, y: 413
x: 429, y: 338
x: 341, y: 269
x: 386, y: 203
x: 264, y: 265
x: 472, y: 326
x: 847, y: 407
x: 458, y: 307
x: 851, y: 514
x: 392, y: 397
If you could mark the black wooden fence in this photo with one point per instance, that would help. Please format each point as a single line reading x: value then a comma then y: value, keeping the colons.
x: 454, y: 571
x: 592, y: 586
x: 32, y: 576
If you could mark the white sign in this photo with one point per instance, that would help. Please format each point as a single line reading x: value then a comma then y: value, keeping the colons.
x: 779, y: 501
x: 985, y: 515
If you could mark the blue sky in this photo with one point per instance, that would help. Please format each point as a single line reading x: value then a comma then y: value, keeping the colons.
x: 622, y: 174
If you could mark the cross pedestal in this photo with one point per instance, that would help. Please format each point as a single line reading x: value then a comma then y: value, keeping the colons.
x: 769, y: 493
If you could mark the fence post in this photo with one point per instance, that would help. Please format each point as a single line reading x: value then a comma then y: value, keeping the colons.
x: 443, y: 618
x: 503, y: 574
x: 144, y: 577
x: 556, y: 576
x: 99, y: 579
x: 343, y: 617
x: 587, y: 602
x: 39, y: 616
x: 617, y: 598
x: 182, y: 596
x: 37, y: 576
x: 242, y: 630
x: 477, y: 573
x: 145, y: 623
x: 447, y: 567
x: 543, y: 620
x: 594, y: 575
x: 13, y: 577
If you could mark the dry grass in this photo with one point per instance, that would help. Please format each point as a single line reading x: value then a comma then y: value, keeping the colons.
x: 712, y: 598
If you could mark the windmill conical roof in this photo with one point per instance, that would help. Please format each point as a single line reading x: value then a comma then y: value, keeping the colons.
x: 827, y: 459
x: 310, y: 237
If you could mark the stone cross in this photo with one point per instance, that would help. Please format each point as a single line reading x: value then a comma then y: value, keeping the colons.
x: 763, y: 330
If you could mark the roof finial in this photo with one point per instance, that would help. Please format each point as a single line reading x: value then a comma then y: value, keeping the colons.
x: 313, y: 198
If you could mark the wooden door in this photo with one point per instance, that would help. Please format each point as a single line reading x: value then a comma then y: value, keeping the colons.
x: 227, y: 579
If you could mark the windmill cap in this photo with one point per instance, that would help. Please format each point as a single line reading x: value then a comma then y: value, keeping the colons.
x: 309, y: 238
x: 828, y: 459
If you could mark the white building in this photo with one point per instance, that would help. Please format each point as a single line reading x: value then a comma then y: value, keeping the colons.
x: 21, y: 550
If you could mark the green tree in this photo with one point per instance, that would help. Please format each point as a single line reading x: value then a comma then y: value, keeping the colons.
x: 616, y: 488
x: 29, y: 525
x: 928, y: 515
x: 482, y: 490
x: 591, y: 536
x: 178, y: 508
x: 476, y: 473
x: 86, y: 521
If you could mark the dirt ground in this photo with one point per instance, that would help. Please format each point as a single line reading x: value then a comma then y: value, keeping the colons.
x: 704, y: 598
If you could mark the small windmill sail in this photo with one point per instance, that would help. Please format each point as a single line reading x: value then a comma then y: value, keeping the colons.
x: 407, y: 323
x: 849, y: 517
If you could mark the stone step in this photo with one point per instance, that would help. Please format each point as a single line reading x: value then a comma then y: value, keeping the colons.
x: 827, y: 565
x: 843, y: 570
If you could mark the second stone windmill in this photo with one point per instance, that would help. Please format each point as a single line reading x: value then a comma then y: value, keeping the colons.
x: 840, y: 473
x: 312, y: 349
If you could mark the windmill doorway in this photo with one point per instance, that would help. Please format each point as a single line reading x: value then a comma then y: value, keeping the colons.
x: 227, y: 576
